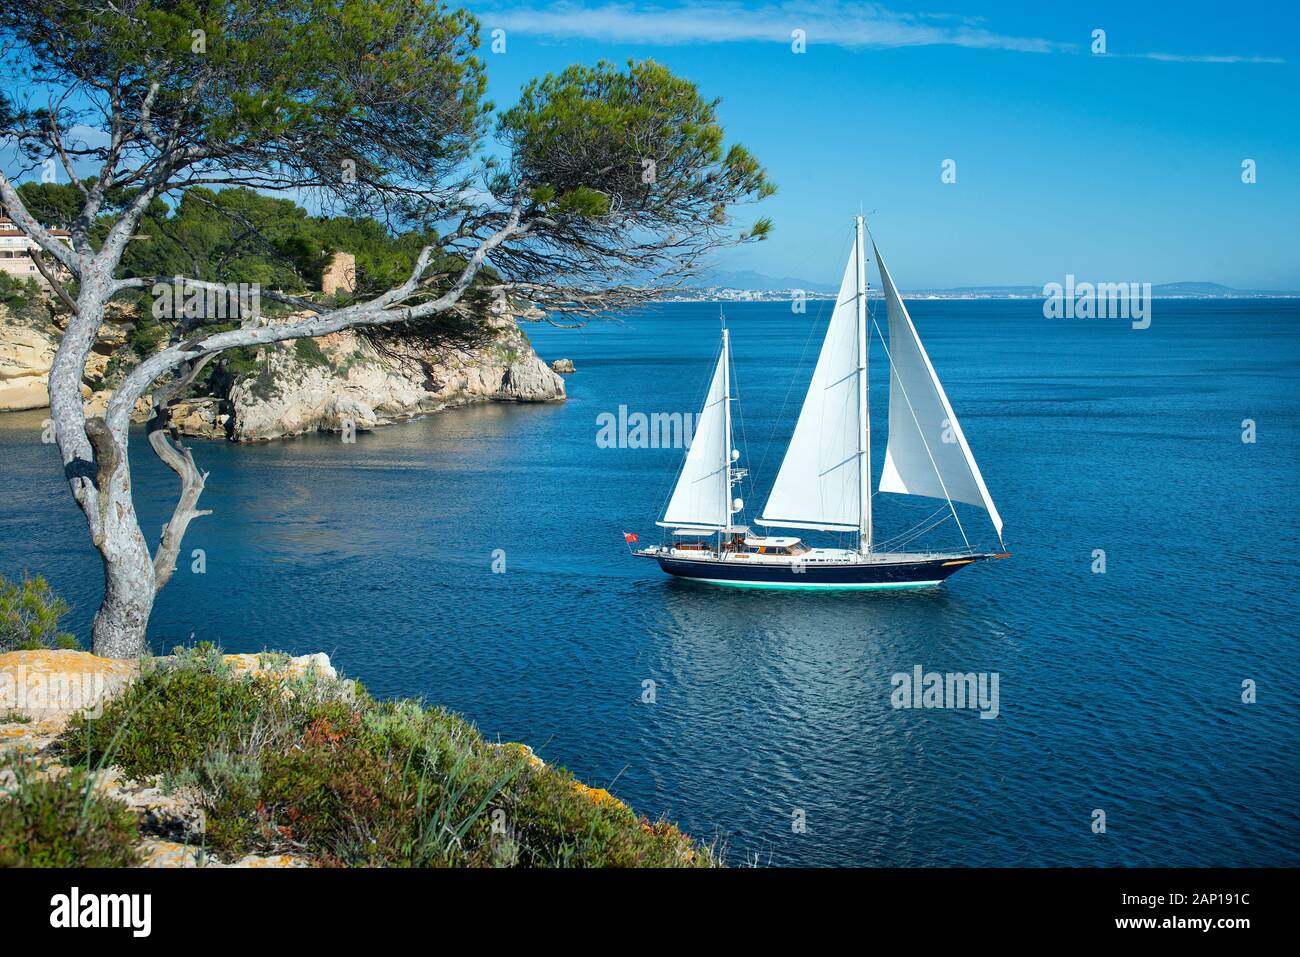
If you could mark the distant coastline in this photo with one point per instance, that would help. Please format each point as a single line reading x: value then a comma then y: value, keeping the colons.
x: 1170, y: 290
x: 720, y: 286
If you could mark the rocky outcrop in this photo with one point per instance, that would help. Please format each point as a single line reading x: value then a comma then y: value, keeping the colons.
x: 339, y: 275
x: 26, y: 354
x: 337, y: 383
x: 563, y: 366
x: 341, y: 382
x: 28, y: 342
x: 48, y: 686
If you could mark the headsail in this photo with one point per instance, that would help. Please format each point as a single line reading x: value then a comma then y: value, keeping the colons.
x: 927, y: 453
x: 702, y: 496
x: 820, y: 484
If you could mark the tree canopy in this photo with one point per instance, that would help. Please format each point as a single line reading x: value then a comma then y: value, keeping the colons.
x: 190, y: 129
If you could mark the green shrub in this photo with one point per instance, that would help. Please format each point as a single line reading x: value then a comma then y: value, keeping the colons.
x: 147, y: 336
x: 59, y: 821
x: 312, y: 765
x: 18, y: 292
x: 29, y: 616
x: 309, y: 353
x: 234, y: 783
x: 166, y: 721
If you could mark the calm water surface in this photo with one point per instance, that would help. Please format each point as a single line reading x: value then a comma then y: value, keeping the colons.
x: 1118, y: 691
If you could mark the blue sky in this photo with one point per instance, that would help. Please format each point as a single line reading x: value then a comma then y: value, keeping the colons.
x: 1119, y: 167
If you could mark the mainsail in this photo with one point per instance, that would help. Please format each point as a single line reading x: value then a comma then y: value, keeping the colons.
x: 820, y: 482
x: 702, y: 496
x: 927, y: 453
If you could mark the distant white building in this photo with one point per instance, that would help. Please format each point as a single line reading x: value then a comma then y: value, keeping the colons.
x: 16, y: 251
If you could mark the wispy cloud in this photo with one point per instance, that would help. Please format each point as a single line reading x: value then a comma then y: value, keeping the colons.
x: 858, y: 25
x: 832, y: 23
x: 1188, y: 58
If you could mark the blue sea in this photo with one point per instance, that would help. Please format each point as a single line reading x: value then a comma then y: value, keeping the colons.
x: 771, y: 726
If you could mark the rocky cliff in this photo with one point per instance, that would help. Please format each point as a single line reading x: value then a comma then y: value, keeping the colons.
x: 26, y: 352
x: 334, y: 383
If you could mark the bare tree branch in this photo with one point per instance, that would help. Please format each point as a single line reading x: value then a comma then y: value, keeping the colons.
x: 180, y: 460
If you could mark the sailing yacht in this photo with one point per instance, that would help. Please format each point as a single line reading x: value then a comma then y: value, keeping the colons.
x: 824, y: 483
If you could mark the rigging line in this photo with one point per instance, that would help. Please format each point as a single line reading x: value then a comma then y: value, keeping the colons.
x: 929, y: 518
x: 943, y: 485
x: 916, y: 335
x: 798, y: 368
x: 925, y: 521
x: 906, y: 538
x: 747, y: 482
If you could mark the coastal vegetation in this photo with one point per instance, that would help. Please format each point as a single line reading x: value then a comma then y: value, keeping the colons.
x: 59, y: 821
x: 182, y: 129
x: 30, y: 613
x: 282, y: 760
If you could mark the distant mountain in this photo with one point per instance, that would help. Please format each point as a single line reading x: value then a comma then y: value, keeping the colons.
x: 757, y: 281
x: 1198, y: 289
x: 1190, y: 290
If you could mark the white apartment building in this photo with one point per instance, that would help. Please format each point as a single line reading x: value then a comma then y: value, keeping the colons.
x: 15, y: 251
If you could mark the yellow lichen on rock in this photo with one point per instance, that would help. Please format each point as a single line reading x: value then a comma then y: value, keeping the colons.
x: 597, y: 795
x: 51, y: 685
x: 526, y: 751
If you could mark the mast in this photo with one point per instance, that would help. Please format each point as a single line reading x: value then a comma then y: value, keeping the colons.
x: 726, y: 423
x: 864, y: 422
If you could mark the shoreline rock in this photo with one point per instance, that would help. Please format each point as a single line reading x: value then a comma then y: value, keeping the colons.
x: 26, y: 355
x: 336, y: 383
x: 341, y: 382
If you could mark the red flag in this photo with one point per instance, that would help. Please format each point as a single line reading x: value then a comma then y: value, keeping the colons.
x: 629, y: 537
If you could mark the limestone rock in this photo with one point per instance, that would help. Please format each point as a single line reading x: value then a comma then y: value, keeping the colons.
x: 96, y: 367
x: 155, y: 852
x: 202, y: 417
x: 52, y: 685
x: 111, y: 336
x: 344, y: 379
x: 303, y: 664
x: 26, y: 354
x: 563, y: 366
x: 329, y: 384
x: 97, y: 404
x: 344, y: 411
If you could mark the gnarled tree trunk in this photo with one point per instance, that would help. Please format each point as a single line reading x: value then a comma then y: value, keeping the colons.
x: 97, y: 469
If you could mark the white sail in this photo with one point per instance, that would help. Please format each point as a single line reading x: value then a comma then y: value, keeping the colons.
x: 702, y: 496
x: 927, y: 453
x: 820, y: 482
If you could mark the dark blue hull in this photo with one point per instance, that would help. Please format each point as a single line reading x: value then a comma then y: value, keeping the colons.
x: 902, y: 574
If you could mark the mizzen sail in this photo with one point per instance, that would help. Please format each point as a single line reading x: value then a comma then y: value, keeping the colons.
x: 927, y: 453
x: 702, y: 496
